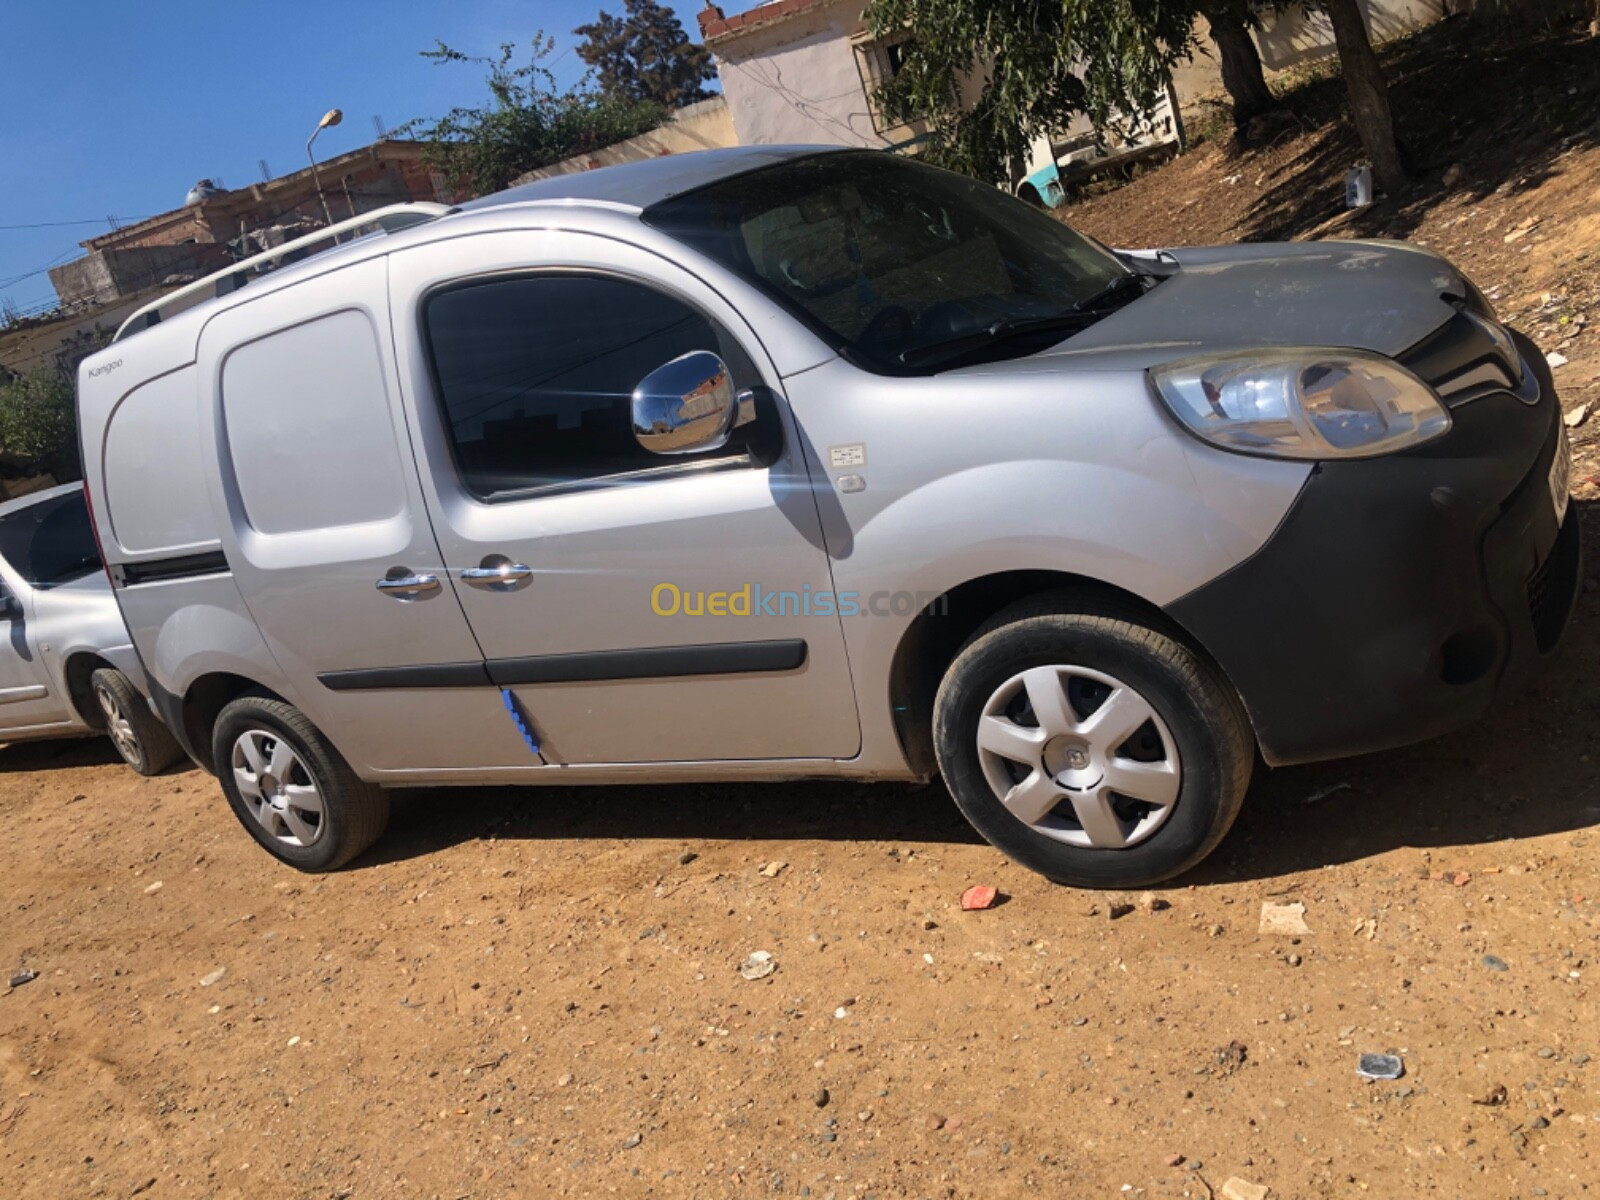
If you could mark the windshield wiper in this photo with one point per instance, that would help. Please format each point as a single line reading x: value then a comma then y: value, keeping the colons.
x: 1084, y: 313
x: 1008, y: 327
x: 1114, y: 289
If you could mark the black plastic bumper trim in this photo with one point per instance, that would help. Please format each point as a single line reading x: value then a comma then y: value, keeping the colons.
x: 170, y: 709
x: 1399, y: 597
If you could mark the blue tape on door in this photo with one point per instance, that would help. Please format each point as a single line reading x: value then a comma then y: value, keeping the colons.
x: 520, y: 720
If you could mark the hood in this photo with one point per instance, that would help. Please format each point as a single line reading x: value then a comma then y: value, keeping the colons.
x: 1378, y: 296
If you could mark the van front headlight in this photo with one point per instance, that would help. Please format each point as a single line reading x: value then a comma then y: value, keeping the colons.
x: 1305, y: 403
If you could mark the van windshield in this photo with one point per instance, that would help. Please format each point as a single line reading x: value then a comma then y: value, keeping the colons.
x: 891, y: 260
x: 50, y: 542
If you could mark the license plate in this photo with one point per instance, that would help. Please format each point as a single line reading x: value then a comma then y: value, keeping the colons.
x: 1561, y: 477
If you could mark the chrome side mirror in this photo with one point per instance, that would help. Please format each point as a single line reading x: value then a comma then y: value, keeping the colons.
x: 686, y: 406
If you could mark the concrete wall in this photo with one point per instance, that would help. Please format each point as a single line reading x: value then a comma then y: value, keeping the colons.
x: 796, y: 80
x: 107, y: 276
x: 1295, y: 36
x: 704, y: 125
x: 1290, y: 38
x: 67, y: 338
x: 355, y: 182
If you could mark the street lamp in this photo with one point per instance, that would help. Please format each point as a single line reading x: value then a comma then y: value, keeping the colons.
x: 332, y: 117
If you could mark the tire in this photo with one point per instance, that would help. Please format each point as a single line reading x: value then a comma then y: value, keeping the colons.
x: 289, y: 787
x: 144, y: 742
x: 1187, y: 765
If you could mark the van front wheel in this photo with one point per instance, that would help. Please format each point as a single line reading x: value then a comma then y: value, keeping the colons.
x: 1089, y: 746
x: 291, y: 789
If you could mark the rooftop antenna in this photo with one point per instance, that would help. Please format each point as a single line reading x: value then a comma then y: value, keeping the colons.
x: 378, y: 127
x: 266, y: 171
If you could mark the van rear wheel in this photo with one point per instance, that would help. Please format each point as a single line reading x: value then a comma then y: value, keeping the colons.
x: 1089, y: 746
x: 289, y: 787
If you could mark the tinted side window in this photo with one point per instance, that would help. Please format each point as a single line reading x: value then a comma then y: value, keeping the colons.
x: 50, y: 541
x: 536, y: 375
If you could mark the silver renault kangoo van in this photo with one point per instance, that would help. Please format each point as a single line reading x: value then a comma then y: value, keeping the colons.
x: 776, y: 462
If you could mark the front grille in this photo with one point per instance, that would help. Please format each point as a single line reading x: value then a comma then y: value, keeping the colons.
x: 1461, y: 361
x: 1552, y: 588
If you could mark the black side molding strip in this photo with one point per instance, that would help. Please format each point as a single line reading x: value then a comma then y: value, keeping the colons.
x: 654, y: 662
x: 719, y: 658
x: 428, y: 675
x: 162, y: 570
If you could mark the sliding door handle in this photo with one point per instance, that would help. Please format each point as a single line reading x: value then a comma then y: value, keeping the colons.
x: 408, y: 587
x: 503, y: 575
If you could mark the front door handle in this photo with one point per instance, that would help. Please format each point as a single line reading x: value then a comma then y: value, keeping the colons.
x: 503, y: 574
x: 408, y: 587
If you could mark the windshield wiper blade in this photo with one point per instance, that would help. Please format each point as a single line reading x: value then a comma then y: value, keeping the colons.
x: 1115, y: 288
x: 1008, y: 327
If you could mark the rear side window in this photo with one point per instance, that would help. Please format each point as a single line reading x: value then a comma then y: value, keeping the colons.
x: 50, y: 542
x: 536, y: 376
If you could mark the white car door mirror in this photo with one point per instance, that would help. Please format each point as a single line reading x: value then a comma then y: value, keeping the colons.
x: 685, y: 406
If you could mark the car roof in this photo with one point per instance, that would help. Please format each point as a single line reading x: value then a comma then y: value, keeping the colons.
x: 39, y: 497
x: 641, y: 184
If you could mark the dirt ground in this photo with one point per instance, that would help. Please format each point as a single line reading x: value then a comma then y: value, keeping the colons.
x: 537, y: 992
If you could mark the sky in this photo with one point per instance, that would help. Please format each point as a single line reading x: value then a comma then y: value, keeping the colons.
x: 117, y: 109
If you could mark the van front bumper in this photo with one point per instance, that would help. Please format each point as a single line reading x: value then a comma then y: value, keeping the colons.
x: 1402, y: 595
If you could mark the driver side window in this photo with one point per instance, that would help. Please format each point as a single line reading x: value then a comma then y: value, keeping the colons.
x: 536, y: 375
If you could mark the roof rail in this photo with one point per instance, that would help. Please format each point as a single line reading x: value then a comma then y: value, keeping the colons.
x: 230, y: 279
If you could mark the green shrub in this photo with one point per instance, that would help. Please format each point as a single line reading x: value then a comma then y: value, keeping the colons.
x: 39, y: 422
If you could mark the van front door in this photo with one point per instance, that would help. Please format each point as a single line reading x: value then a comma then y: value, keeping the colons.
x: 328, y: 538
x: 641, y: 608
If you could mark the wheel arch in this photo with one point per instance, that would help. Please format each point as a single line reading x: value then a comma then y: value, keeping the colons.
x: 202, y: 701
x: 77, y: 672
x: 943, y: 626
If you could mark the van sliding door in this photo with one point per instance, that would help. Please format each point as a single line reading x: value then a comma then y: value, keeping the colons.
x: 327, y: 535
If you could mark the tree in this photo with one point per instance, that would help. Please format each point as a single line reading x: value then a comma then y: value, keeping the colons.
x: 1369, y: 95
x: 645, y: 56
x: 526, y: 124
x: 39, y: 422
x: 992, y: 76
x: 1231, y: 22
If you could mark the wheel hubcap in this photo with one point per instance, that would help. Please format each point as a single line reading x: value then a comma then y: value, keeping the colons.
x: 277, y: 788
x: 1079, y: 756
x: 1070, y: 762
x: 118, y: 726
